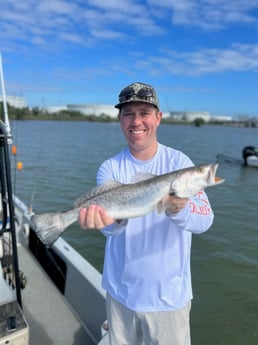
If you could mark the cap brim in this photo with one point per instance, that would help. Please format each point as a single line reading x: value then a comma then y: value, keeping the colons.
x: 119, y: 105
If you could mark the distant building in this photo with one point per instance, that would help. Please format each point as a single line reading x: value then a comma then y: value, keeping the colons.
x: 94, y: 109
x: 17, y: 102
x: 165, y: 115
x: 218, y: 118
x: 54, y: 109
x: 190, y: 116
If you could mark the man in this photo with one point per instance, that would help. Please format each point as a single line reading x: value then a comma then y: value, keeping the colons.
x: 147, y: 259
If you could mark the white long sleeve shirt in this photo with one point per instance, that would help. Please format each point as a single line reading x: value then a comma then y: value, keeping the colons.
x: 147, y: 259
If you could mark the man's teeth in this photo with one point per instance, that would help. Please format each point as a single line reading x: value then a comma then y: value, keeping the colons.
x: 136, y: 132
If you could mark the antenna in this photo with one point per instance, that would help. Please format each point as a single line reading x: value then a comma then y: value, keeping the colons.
x: 6, y: 117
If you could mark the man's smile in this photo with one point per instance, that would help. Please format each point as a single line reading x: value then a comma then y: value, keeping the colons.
x: 136, y: 132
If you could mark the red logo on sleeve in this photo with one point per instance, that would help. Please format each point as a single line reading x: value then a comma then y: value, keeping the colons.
x: 203, y: 207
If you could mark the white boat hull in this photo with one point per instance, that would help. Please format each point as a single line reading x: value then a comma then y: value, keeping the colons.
x: 252, y: 161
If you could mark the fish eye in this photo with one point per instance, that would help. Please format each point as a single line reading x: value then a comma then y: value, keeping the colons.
x: 201, y: 169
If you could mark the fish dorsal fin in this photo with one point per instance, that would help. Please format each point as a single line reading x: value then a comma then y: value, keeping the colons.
x: 95, y: 191
x: 141, y: 176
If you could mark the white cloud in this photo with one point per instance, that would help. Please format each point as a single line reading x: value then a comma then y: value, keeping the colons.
x: 239, y: 57
x: 236, y: 58
x: 209, y: 14
x: 60, y: 24
x: 107, y: 34
x: 36, y: 21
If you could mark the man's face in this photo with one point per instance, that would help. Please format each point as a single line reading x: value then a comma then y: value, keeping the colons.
x: 139, y: 122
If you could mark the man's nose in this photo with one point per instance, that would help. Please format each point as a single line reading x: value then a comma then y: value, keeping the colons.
x: 137, y: 118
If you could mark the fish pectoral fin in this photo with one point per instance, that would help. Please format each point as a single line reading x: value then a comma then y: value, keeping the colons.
x: 163, y: 204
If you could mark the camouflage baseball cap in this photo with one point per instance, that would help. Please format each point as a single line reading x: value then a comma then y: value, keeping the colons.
x: 138, y: 92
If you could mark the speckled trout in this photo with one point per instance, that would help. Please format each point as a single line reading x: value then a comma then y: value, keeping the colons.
x: 123, y: 201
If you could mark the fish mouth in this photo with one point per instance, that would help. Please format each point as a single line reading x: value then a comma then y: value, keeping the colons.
x: 212, y: 178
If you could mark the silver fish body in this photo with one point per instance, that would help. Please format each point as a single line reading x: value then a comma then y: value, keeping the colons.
x: 123, y: 201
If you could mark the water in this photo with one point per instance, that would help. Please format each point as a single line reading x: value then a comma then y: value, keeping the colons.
x: 60, y: 160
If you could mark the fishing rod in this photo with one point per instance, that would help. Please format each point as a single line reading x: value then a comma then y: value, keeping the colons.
x: 8, y: 223
x: 6, y: 117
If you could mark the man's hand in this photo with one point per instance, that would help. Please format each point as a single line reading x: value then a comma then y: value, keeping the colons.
x: 94, y: 217
x: 174, y: 204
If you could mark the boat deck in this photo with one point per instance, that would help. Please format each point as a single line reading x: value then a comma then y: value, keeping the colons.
x: 48, y: 315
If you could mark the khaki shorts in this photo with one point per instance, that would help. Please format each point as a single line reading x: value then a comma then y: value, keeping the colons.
x: 127, y: 327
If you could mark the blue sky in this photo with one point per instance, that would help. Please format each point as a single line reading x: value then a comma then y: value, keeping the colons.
x: 198, y: 54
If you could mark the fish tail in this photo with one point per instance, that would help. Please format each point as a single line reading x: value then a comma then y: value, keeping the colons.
x: 49, y: 226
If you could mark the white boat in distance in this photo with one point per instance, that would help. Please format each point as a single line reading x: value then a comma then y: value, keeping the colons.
x: 250, y: 156
x: 47, y: 295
